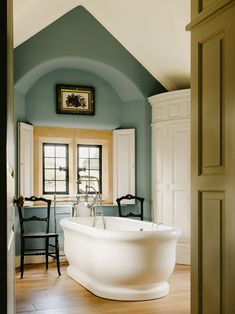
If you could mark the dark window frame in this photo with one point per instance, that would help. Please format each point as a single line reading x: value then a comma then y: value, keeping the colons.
x: 66, y: 192
x: 100, y: 165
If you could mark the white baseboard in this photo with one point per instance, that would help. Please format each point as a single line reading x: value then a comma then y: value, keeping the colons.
x: 183, y: 253
x: 37, y: 259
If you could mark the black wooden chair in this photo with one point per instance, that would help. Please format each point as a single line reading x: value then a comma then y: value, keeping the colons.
x: 45, y: 234
x: 139, y: 200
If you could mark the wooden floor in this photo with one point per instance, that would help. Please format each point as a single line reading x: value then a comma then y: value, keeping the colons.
x: 42, y: 292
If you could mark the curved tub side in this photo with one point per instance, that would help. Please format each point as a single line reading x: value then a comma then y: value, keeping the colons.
x: 120, y: 269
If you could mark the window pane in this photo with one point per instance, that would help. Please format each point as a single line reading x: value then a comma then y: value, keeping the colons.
x: 60, y: 162
x: 82, y: 187
x: 94, y: 173
x: 83, y: 152
x: 83, y: 163
x: 82, y: 174
x: 49, y: 175
x: 60, y: 151
x: 60, y: 175
x: 49, y: 151
x: 94, y: 152
x: 60, y: 186
x: 95, y: 186
x: 49, y: 162
x: 94, y: 163
x: 49, y: 186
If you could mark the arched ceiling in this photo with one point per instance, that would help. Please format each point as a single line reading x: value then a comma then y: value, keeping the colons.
x: 123, y: 86
x: 153, y: 31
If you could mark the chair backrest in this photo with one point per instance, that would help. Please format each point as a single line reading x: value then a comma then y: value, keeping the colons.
x: 131, y: 214
x: 23, y: 219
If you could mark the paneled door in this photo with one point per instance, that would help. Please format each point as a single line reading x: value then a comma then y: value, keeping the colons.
x: 213, y: 159
x: 171, y: 165
x: 171, y: 184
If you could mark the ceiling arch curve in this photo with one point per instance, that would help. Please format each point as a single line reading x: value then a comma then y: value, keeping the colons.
x: 122, y: 84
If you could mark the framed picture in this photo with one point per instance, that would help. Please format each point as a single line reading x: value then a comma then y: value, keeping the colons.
x: 75, y: 99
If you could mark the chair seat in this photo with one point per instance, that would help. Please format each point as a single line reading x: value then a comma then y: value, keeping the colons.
x: 39, y: 235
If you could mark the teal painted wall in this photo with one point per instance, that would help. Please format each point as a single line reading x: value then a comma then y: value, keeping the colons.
x: 77, y: 49
x: 41, y: 101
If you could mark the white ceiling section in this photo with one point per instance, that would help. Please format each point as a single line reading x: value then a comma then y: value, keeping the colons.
x: 153, y: 31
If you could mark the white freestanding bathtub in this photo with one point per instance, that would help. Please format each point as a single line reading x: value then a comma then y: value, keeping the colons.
x: 129, y: 260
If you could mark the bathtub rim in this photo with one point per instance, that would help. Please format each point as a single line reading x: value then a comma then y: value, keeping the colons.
x: 70, y: 223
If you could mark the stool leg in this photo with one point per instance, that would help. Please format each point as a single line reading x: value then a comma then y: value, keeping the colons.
x: 47, y: 245
x: 22, y: 257
x: 57, y: 254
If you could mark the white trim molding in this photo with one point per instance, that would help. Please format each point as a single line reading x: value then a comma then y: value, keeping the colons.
x: 170, y: 106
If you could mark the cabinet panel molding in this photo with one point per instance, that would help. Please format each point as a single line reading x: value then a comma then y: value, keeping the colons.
x: 170, y: 106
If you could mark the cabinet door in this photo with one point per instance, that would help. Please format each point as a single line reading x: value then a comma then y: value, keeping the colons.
x: 171, y: 180
x: 159, y: 173
x: 179, y: 185
x: 123, y: 164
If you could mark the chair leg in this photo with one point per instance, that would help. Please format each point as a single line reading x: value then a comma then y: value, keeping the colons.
x: 47, y: 248
x: 57, y: 255
x: 22, y: 258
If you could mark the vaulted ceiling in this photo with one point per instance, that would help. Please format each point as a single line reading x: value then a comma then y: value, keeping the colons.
x: 153, y: 31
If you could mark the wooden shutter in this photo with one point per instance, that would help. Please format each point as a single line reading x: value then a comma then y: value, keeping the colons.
x: 123, y: 164
x: 25, y: 159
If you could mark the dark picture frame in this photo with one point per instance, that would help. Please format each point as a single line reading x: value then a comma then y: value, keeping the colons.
x: 73, y: 99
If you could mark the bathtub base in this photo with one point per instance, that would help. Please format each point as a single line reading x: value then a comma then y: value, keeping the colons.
x: 136, y: 293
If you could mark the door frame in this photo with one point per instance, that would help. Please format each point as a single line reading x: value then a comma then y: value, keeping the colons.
x: 6, y: 72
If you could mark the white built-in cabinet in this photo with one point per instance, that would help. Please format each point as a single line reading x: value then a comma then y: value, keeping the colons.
x: 171, y: 165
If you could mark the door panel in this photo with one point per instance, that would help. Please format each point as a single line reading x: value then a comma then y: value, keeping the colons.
x: 212, y: 225
x: 211, y: 65
x: 178, y: 196
x: 171, y: 180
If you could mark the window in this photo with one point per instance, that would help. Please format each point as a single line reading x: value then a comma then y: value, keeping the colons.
x: 55, y: 169
x: 72, y: 137
x: 90, y: 159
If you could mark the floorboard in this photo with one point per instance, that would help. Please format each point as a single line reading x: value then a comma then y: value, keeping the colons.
x: 44, y: 292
